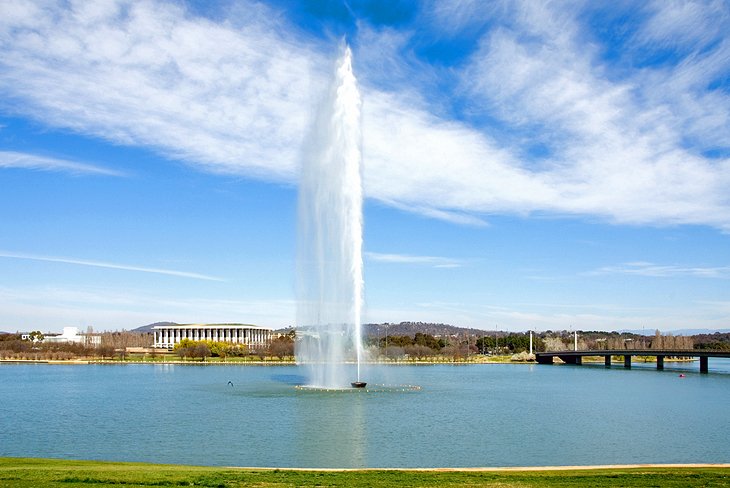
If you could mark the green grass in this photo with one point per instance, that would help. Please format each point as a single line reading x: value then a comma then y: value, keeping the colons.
x: 39, y: 473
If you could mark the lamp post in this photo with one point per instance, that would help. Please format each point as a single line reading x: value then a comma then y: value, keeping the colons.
x: 496, y: 340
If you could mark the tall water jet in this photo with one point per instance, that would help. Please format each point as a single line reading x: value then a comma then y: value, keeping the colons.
x: 329, y: 260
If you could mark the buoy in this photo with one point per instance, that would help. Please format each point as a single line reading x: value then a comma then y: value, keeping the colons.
x: 681, y: 376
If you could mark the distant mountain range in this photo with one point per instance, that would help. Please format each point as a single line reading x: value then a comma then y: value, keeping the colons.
x: 411, y: 328
x: 148, y: 328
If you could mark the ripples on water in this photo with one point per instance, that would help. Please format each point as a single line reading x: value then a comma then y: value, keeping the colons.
x: 469, y: 415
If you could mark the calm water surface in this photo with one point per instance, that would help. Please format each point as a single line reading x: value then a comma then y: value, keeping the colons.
x: 472, y: 415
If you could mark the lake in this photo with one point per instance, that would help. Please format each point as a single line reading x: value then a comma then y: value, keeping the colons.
x: 463, y: 415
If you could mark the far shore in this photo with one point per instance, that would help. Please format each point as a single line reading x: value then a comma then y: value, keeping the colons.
x: 477, y: 359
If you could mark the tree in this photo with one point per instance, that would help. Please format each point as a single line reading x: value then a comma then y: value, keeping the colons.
x: 106, y: 351
x: 36, y: 336
x: 200, y: 350
x: 182, y: 352
x: 282, y: 347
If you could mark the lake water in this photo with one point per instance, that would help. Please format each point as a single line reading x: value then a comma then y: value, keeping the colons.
x: 468, y: 415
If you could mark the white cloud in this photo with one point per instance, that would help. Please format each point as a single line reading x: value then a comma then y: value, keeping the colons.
x: 229, y: 97
x: 101, y: 264
x: 434, y: 261
x: 236, y: 96
x: 613, y: 153
x: 666, y: 271
x: 12, y: 159
x: 674, y: 24
x: 106, y: 309
x: 522, y: 317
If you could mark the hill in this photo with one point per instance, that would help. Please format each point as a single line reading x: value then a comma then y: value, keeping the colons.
x: 148, y: 328
x: 411, y: 328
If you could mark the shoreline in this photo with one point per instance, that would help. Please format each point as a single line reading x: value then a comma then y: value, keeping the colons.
x: 488, y: 469
x: 470, y: 469
x: 247, y: 363
x: 291, y: 362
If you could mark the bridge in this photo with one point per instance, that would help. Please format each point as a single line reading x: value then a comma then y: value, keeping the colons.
x: 576, y: 357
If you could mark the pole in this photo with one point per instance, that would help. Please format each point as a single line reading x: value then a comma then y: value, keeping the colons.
x: 530, y: 343
x: 575, y: 339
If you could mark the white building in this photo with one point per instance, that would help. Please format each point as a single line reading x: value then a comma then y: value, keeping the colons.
x: 71, y: 334
x: 166, y: 336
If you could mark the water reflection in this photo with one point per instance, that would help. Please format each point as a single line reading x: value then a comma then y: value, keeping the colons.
x: 330, y: 428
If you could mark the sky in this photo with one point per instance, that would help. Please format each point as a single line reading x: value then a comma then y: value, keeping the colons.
x: 526, y: 164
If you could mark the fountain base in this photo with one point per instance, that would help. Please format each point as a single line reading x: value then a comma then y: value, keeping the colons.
x: 358, y: 384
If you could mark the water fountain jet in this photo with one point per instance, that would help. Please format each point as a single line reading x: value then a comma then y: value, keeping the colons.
x: 329, y: 254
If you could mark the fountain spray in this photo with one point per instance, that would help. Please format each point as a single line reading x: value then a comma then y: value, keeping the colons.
x: 329, y: 254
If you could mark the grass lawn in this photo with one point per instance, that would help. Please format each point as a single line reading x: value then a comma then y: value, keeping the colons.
x: 23, y: 472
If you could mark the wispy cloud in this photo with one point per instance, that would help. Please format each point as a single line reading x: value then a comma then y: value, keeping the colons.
x: 12, y: 159
x: 231, y: 97
x: 102, y: 264
x: 642, y: 268
x: 113, y: 309
x: 616, y: 139
x: 434, y: 261
x: 581, y: 317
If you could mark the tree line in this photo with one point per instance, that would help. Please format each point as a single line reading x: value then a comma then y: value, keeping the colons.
x: 281, y: 347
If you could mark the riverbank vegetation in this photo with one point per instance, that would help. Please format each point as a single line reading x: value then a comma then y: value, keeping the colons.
x: 403, y: 342
x: 40, y: 473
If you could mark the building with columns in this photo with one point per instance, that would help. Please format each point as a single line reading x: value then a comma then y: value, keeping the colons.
x: 166, y: 336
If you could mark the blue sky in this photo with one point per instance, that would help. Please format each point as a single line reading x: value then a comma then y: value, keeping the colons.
x: 527, y: 165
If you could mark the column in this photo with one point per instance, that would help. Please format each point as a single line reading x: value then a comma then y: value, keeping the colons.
x: 154, y: 338
x: 607, y: 361
x: 704, y: 365
x: 627, y: 361
x: 659, y: 363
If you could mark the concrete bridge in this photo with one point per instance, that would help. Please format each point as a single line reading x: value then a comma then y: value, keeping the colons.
x: 576, y: 357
